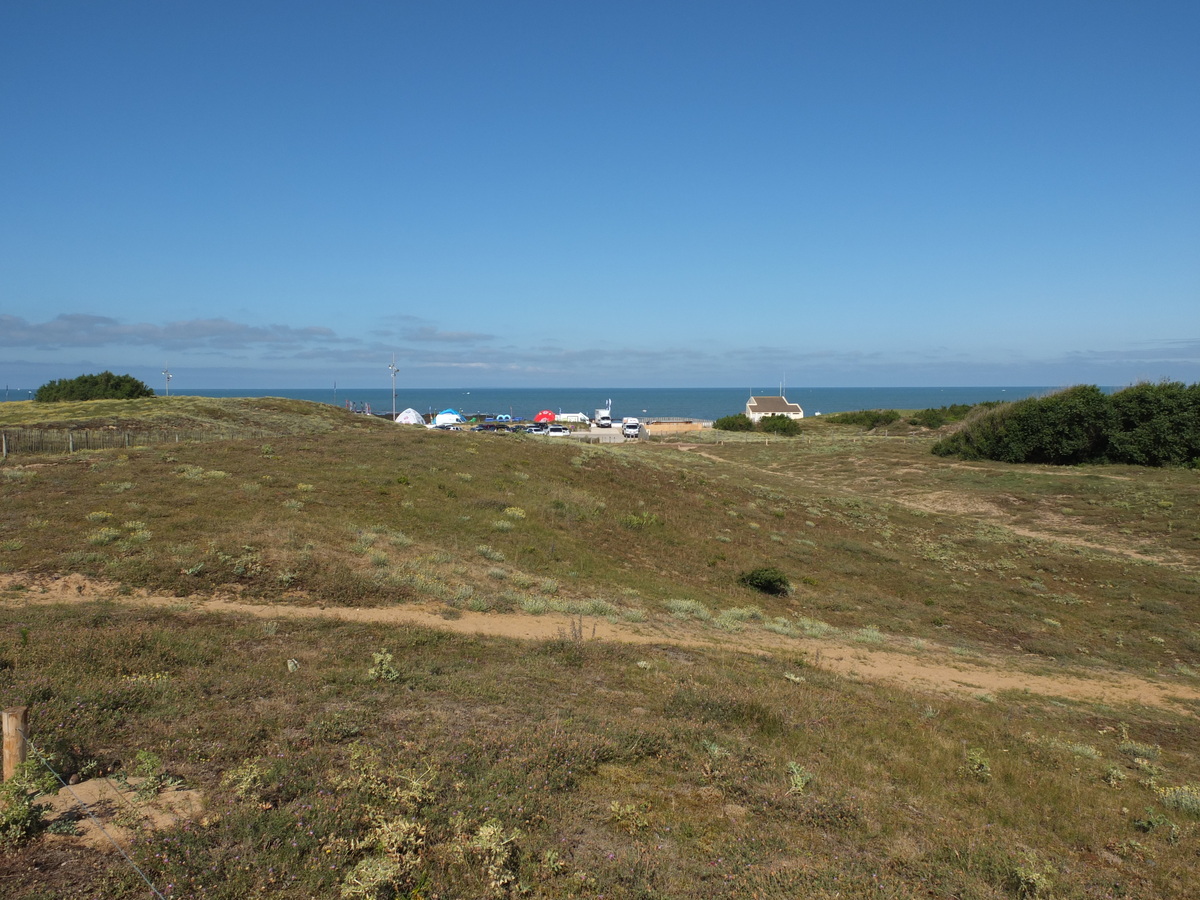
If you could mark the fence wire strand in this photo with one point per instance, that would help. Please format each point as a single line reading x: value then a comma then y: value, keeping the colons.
x: 49, y: 768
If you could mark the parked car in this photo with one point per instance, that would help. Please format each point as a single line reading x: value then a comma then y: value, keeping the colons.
x: 557, y: 430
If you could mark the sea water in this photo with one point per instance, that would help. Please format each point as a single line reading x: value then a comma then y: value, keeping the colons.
x: 695, y: 403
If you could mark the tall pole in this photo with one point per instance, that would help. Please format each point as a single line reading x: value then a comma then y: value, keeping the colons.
x: 392, y: 368
x: 167, y: 374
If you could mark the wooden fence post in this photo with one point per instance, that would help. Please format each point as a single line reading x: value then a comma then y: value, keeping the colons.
x: 15, y: 729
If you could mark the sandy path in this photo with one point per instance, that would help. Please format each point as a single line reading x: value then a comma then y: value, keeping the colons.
x: 934, y: 670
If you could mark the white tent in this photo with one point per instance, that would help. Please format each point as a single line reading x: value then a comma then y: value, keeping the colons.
x: 448, y: 417
x: 410, y: 417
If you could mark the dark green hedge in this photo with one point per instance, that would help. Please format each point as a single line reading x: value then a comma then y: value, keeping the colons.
x: 105, y: 386
x: 1147, y: 424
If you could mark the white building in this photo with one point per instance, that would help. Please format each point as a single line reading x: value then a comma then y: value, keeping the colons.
x: 759, y: 407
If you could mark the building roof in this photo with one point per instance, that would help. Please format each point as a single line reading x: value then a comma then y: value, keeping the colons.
x: 769, y: 405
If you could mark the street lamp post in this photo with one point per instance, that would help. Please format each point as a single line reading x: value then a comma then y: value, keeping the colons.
x: 392, y: 368
x: 168, y: 376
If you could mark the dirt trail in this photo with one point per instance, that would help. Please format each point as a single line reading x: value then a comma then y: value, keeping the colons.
x: 933, y: 670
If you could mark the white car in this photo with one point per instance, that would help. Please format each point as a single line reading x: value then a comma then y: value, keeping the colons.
x: 558, y: 430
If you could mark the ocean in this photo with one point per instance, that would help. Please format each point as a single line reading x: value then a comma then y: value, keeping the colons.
x: 697, y: 403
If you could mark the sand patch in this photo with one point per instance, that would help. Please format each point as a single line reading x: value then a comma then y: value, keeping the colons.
x: 107, y: 811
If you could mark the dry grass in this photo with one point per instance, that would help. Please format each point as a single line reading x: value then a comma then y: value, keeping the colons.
x: 891, y: 539
x: 260, y: 415
x: 652, y: 771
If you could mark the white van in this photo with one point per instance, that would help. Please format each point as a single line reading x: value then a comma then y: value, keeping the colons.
x: 631, y: 428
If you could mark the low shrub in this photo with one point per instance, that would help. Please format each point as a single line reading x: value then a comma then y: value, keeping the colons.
x: 782, y: 425
x: 944, y: 415
x: 866, y: 418
x: 640, y: 520
x: 977, y: 765
x: 688, y: 609
x: 1185, y: 798
x: 766, y: 580
x: 738, y: 422
x: 21, y: 818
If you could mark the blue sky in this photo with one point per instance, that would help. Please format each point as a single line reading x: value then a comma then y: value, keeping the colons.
x: 600, y: 193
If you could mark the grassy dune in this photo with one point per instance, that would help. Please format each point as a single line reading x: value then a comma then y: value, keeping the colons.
x: 397, y: 760
x: 260, y: 414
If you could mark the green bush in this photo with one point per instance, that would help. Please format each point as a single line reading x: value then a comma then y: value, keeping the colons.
x: 738, y: 422
x: 766, y: 580
x: 105, y: 386
x: 1147, y: 424
x: 1156, y: 424
x: 778, y: 424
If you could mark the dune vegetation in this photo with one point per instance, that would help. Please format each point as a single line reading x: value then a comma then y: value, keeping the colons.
x: 222, y: 415
x: 1147, y: 424
x: 401, y: 663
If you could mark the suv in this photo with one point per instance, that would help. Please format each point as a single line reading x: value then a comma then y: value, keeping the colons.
x: 557, y: 430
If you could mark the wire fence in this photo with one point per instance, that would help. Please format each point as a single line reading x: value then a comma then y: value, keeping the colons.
x: 31, y: 441
x: 41, y: 758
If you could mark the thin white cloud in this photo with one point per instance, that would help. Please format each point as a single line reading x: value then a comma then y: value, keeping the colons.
x: 421, y: 346
x: 1185, y: 350
x: 414, y: 328
x: 80, y: 330
x: 428, y: 333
